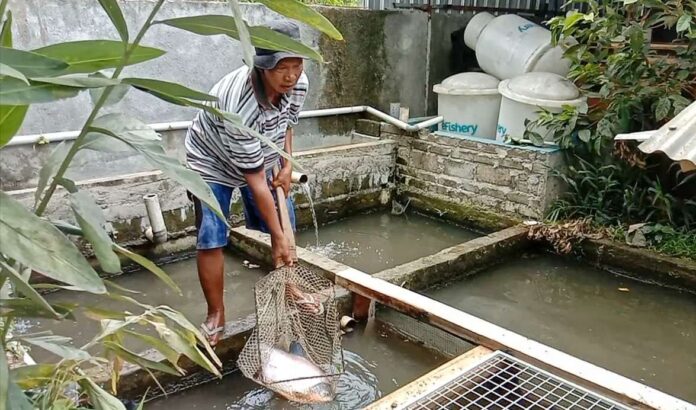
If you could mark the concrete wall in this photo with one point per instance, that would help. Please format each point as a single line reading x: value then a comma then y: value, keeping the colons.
x: 476, y: 181
x: 441, y: 64
x: 344, y: 180
x: 381, y: 53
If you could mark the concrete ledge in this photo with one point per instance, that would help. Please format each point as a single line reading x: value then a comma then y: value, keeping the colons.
x: 640, y: 264
x: 458, y: 261
x: 469, y: 215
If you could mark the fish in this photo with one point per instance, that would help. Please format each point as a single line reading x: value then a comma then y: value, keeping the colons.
x: 296, y: 378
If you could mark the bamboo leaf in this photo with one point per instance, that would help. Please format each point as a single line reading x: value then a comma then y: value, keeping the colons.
x: 11, y: 118
x: 91, y: 219
x: 78, y: 81
x: 26, y: 289
x: 139, y: 136
x: 88, y: 56
x: 134, y: 358
x: 66, y: 228
x: 96, y: 313
x: 6, y: 32
x: 167, y: 88
x: 210, y: 25
x: 120, y: 288
x: 49, y: 169
x: 100, y: 399
x: 243, y: 32
x: 16, y: 92
x: 31, y: 64
x: 238, y: 123
x: 32, y: 376
x: 171, y: 354
x: 29, y: 308
x: 299, y: 11
x: 186, y: 346
x: 114, y: 12
x: 116, y: 95
x: 57, y: 345
x: 180, y: 320
x: 39, y: 245
x: 6, y: 70
x: 149, y: 265
x: 17, y: 400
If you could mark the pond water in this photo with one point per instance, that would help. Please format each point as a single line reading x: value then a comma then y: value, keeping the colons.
x: 379, y: 241
x: 644, y: 332
x: 377, y: 362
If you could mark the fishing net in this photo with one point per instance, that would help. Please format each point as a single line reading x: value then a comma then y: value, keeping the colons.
x: 295, y: 348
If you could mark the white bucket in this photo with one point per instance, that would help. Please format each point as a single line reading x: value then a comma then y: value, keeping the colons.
x: 508, y: 46
x: 525, y: 95
x: 469, y: 103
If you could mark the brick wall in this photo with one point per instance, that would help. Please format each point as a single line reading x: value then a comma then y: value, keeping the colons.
x: 480, y: 175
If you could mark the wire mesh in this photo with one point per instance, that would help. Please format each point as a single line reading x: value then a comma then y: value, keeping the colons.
x: 295, y: 348
x: 504, y: 382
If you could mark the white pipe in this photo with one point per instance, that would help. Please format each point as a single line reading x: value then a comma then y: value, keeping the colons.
x: 299, y: 178
x: 157, y: 231
x: 182, y: 125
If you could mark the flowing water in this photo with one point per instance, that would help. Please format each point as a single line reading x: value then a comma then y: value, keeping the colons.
x: 308, y: 192
x: 378, y: 241
x: 377, y: 362
x: 238, y: 294
x: 644, y: 332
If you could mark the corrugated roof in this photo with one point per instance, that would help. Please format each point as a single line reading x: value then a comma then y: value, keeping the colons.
x: 677, y: 139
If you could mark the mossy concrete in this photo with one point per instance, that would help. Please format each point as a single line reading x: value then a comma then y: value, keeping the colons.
x: 461, y: 213
x: 640, y: 264
x: 458, y: 261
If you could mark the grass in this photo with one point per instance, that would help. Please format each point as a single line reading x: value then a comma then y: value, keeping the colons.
x: 663, y: 239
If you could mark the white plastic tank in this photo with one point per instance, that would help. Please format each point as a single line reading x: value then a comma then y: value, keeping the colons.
x: 524, y: 95
x: 470, y: 103
x: 509, y: 45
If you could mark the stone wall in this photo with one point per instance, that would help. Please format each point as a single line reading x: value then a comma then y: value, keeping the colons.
x: 476, y: 181
x: 343, y: 180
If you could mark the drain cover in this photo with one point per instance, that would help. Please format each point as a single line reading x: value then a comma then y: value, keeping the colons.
x: 504, y: 382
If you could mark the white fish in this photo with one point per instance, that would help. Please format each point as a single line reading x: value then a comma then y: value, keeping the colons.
x: 310, y: 385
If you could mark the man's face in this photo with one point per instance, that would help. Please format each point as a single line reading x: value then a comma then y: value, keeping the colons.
x: 283, y: 78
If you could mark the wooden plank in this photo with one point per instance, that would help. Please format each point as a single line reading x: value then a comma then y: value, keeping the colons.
x: 495, y: 337
x: 431, y: 381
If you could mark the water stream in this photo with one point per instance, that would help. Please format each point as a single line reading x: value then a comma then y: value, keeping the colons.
x: 308, y: 192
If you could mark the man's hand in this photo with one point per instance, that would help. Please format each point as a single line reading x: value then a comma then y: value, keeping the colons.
x: 280, y: 251
x: 283, y: 179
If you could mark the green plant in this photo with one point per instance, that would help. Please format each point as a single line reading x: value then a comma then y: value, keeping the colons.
x: 33, y: 243
x: 630, y: 87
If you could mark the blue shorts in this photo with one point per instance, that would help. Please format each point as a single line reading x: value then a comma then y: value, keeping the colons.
x: 212, y: 232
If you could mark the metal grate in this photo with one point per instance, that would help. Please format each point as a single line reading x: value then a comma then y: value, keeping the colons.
x: 504, y: 382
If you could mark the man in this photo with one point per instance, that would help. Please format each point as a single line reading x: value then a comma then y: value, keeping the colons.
x: 268, y: 98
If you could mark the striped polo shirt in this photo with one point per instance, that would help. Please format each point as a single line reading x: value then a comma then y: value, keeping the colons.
x: 219, y: 151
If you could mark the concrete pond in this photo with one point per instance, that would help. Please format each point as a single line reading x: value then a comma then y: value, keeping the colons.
x: 460, y: 241
x: 642, y: 331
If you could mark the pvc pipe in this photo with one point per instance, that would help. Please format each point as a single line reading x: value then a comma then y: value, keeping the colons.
x: 347, y: 324
x: 157, y: 231
x: 182, y: 125
x: 299, y: 178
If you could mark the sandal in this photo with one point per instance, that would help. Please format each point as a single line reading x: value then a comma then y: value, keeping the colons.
x: 209, y: 333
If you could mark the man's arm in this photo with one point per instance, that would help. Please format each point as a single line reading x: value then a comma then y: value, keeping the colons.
x: 256, y: 181
x: 284, y: 177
